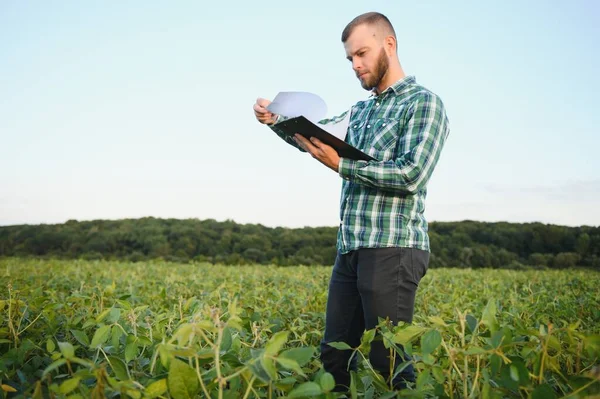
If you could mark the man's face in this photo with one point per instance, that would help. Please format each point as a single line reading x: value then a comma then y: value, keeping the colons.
x: 364, y: 48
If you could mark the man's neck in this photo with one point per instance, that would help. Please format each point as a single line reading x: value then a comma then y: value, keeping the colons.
x: 389, y: 79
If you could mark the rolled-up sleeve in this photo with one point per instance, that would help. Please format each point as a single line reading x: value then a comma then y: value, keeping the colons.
x: 419, y: 149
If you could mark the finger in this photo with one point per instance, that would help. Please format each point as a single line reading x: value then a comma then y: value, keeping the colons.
x: 316, y: 142
x: 324, y: 148
x: 306, y: 144
x: 263, y: 102
x: 267, y: 115
x: 259, y: 109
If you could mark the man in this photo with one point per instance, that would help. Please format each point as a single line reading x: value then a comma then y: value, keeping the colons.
x: 383, y: 245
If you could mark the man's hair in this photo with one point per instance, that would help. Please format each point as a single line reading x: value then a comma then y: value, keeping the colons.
x: 370, y: 18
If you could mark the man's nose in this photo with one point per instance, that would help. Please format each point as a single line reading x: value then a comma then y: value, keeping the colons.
x: 356, y: 65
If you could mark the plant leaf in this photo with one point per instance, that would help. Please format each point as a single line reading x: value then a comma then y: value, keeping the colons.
x: 305, y: 390
x: 182, y: 380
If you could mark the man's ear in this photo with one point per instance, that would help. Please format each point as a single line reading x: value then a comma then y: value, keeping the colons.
x: 390, y: 45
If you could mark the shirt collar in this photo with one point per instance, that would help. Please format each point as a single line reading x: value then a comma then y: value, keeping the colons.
x: 397, y: 87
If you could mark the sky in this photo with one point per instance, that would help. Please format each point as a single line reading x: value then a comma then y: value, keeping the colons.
x: 112, y: 110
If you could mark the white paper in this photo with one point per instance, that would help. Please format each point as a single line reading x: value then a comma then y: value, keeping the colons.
x: 338, y: 129
x: 299, y: 103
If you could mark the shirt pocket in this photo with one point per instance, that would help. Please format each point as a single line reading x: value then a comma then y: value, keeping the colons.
x: 385, y: 134
x: 355, y: 131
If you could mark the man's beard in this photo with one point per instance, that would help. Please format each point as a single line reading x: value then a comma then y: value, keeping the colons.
x: 377, y: 75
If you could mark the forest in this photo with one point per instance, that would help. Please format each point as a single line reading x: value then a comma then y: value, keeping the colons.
x: 453, y: 244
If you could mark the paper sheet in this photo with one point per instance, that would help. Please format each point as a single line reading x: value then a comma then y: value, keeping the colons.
x: 338, y: 129
x: 299, y: 103
x: 309, y: 105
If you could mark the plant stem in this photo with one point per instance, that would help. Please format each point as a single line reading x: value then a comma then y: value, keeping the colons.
x: 249, y: 387
x: 200, y: 378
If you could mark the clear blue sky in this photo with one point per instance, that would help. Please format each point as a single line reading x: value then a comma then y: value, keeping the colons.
x: 143, y: 108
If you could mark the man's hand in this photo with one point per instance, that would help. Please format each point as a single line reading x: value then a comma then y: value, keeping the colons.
x: 320, y: 151
x: 262, y: 114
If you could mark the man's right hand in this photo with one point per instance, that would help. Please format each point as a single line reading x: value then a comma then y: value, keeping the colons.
x: 262, y: 114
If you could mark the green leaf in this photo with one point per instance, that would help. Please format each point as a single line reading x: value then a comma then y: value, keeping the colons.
x: 367, y: 337
x: 81, y: 337
x: 305, y: 390
x: 100, y: 336
x: 114, y: 315
x: 489, y: 316
x: 88, y: 323
x: 471, y: 323
x: 276, y: 343
x: 340, y: 345
x: 438, y: 374
x: 258, y: 370
x: 115, y: 336
x: 514, y: 373
x: 428, y: 359
x: 299, y: 355
x: 290, y: 365
x: 353, y: 390
x: 53, y: 366
x: 132, y: 393
x: 226, y: 340
x: 543, y: 392
x: 269, y: 366
x: 183, y: 333
x: 423, y: 380
x: 430, y: 341
x: 475, y: 350
x: 102, y: 315
x: 408, y: 333
x: 50, y: 347
x: 438, y: 321
x: 401, y: 367
x: 365, y: 341
x: 119, y: 368
x: 157, y: 388
x: 126, y: 305
x: 69, y: 385
x: 592, y: 344
x: 388, y: 339
x: 496, y: 339
x: 165, y: 355
x: 327, y: 382
x: 182, y: 380
x: 130, y: 351
x: 234, y: 311
x: 67, y: 350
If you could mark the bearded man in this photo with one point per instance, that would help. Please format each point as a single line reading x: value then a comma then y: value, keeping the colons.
x: 382, y: 242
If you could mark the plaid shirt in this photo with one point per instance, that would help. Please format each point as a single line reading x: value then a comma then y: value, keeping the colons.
x: 383, y: 202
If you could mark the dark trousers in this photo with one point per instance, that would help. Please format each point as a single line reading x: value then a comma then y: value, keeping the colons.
x: 366, y: 284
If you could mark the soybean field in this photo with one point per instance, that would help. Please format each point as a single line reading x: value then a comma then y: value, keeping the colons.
x: 102, y: 329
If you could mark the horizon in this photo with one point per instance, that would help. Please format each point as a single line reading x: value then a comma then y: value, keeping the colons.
x: 280, y: 226
x: 122, y: 111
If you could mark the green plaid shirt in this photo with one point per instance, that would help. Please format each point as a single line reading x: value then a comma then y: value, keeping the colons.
x: 383, y: 202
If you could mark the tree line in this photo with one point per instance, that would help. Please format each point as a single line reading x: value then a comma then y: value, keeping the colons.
x: 453, y: 244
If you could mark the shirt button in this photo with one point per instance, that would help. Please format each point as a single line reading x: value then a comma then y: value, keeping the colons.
x: 355, y: 126
x: 368, y: 126
x: 377, y: 104
x: 383, y: 124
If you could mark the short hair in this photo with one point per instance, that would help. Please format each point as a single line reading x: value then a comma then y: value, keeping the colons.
x: 370, y: 18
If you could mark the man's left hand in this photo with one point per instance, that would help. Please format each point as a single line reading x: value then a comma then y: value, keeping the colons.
x: 320, y: 151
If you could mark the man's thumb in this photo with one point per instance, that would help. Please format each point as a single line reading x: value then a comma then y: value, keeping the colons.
x: 263, y: 102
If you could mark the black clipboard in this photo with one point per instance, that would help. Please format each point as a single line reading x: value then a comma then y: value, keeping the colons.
x: 306, y: 128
